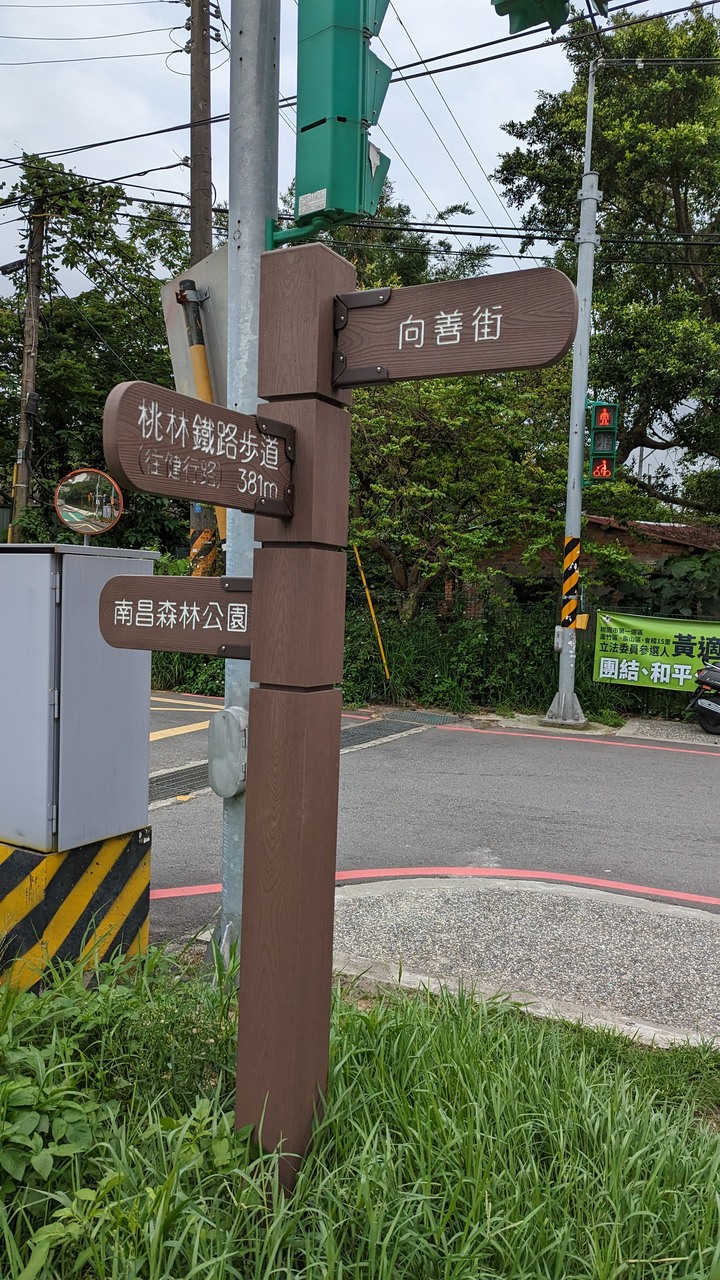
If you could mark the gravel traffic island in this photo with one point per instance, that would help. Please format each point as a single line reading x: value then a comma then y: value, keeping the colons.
x: 648, y: 968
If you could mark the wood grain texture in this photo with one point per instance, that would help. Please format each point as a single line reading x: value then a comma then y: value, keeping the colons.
x: 515, y: 320
x: 288, y: 901
x: 297, y: 291
x: 320, y: 474
x: 178, y: 615
x: 161, y: 442
x: 299, y: 617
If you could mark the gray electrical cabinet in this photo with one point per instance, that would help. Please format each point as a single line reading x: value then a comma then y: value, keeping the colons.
x: 74, y: 712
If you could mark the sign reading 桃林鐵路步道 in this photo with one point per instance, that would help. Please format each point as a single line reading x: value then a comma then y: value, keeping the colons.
x: 161, y: 442
x: 516, y: 320
x: 658, y: 653
x: 180, y: 615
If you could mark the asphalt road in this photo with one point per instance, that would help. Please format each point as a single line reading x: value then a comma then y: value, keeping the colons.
x: 633, y: 812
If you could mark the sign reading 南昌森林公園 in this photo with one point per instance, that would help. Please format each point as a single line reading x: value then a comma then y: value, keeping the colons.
x: 161, y: 442
x: 658, y: 653
x: 180, y: 615
x: 516, y: 320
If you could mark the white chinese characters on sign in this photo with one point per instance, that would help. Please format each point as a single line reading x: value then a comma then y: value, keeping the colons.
x: 448, y: 328
x: 211, y: 438
x: 167, y: 613
x: 629, y: 669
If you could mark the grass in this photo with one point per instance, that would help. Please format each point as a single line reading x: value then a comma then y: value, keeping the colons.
x: 460, y: 1141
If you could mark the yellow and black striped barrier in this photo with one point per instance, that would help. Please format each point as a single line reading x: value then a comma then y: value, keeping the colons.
x: 88, y: 902
x: 571, y: 577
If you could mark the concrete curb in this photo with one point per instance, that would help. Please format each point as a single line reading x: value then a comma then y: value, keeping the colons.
x: 372, y: 978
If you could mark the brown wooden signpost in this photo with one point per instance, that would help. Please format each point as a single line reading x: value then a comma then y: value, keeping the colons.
x: 317, y: 339
x: 160, y: 442
x: 517, y: 320
x: 180, y: 615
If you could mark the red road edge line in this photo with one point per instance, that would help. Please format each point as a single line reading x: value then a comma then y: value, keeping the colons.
x: 488, y: 873
x: 187, y: 891
x: 563, y: 737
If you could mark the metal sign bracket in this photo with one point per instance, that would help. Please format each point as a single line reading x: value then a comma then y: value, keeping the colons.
x: 345, y: 302
x: 342, y: 376
x: 280, y: 430
x: 284, y: 506
x: 241, y: 651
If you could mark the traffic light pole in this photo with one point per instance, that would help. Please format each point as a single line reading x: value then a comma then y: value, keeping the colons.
x: 254, y: 92
x: 565, y: 709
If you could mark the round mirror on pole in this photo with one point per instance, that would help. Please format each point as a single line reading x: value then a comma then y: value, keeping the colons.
x: 88, y: 501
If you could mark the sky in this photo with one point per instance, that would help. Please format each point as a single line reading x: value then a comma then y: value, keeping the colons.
x: 86, y: 72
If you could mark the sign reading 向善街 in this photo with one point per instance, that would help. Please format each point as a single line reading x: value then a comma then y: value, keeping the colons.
x: 161, y: 442
x: 180, y: 615
x: 515, y: 320
x: 658, y: 653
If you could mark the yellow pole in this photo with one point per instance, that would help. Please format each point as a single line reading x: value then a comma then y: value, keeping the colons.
x: 187, y: 296
x: 372, y: 612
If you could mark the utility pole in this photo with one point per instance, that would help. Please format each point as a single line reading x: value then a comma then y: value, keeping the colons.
x: 254, y: 91
x: 203, y: 538
x: 565, y: 708
x: 28, y: 394
x: 201, y: 241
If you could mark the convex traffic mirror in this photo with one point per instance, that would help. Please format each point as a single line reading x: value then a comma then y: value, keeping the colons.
x: 88, y: 501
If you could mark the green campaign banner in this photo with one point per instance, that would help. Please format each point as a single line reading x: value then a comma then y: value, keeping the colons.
x: 659, y: 653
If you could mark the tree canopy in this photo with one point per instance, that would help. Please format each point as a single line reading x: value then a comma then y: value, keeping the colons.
x: 656, y: 301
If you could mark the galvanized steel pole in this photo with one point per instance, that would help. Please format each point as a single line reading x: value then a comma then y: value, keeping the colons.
x: 254, y: 92
x: 565, y: 708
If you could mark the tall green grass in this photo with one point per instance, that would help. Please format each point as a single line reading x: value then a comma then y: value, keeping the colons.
x: 459, y: 1141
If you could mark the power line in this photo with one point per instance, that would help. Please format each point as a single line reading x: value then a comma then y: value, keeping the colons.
x: 105, y: 57
x: 457, y: 124
x: 290, y: 100
x: 119, y: 35
x: 103, y: 4
x: 441, y: 140
x: 557, y: 40
x: 97, y: 332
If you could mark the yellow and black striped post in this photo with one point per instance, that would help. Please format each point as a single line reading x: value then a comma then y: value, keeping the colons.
x: 88, y: 902
x: 571, y: 578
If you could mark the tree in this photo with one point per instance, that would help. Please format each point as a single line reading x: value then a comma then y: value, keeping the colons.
x: 386, y: 250
x: 106, y: 334
x: 656, y: 146
x: 445, y: 472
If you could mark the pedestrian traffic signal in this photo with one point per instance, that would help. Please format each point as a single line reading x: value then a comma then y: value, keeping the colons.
x: 340, y: 89
x: 532, y: 13
x: 603, y: 439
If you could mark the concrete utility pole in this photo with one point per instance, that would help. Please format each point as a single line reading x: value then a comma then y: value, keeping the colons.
x: 254, y: 91
x: 28, y: 394
x: 565, y: 708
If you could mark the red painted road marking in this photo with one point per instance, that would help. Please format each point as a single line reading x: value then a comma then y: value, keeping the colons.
x: 563, y: 737
x: 188, y: 891
x: 488, y: 873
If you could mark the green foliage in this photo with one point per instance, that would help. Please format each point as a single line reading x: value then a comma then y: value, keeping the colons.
x: 458, y: 1139
x: 111, y: 332
x: 685, y: 586
x: 446, y: 471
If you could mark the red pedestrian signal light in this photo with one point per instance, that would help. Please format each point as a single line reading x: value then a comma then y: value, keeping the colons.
x: 603, y: 439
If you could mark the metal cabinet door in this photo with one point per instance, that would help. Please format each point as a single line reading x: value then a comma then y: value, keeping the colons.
x: 104, y: 746
x: 28, y: 697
